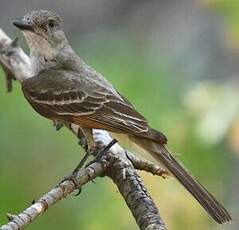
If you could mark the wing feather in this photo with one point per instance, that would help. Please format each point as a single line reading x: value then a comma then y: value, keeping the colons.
x: 68, y: 96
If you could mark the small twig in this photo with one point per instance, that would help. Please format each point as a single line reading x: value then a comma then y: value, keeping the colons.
x: 13, y: 59
x: 143, y: 165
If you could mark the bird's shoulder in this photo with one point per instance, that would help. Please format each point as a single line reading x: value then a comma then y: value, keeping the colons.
x: 52, y: 80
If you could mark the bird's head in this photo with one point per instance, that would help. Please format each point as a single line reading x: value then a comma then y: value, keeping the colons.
x: 43, y: 31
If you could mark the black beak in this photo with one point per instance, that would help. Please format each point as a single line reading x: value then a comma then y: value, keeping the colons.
x: 23, y: 26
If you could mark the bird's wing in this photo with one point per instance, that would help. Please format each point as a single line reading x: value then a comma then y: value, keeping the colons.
x: 81, y: 100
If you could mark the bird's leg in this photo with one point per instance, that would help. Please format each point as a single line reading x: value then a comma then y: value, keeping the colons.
x: 102, y: 152
x: 72, y: 176
x: 90, y: 149
x: 82, y: 162
x: 89, y: 152
x: 87, y: 136
x: 82, y: 139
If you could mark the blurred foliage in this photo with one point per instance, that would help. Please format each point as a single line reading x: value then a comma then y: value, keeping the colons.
x: 200, y: 119
x: 229, y: 9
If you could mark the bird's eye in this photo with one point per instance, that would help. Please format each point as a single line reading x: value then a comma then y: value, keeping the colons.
x: 51, y: 23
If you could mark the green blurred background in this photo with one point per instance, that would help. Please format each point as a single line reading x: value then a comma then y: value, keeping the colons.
x: 177, y: 61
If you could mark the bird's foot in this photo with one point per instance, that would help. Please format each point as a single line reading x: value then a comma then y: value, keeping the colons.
x: 89, y: 152
x: 72, y: 177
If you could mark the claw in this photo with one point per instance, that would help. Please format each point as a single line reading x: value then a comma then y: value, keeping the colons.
x: 72, y: 178
x: 78, y: 192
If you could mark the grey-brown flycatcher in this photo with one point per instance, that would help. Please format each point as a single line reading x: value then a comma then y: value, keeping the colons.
x: 64, y: 88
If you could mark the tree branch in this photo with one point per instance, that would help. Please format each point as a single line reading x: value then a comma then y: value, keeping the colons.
x: 17, y: 222
x: 117, y: 164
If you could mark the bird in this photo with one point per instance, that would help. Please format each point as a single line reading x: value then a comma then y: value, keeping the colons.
x: 64, y: 88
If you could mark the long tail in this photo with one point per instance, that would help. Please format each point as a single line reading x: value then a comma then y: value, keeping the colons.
x: 208, y: 202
